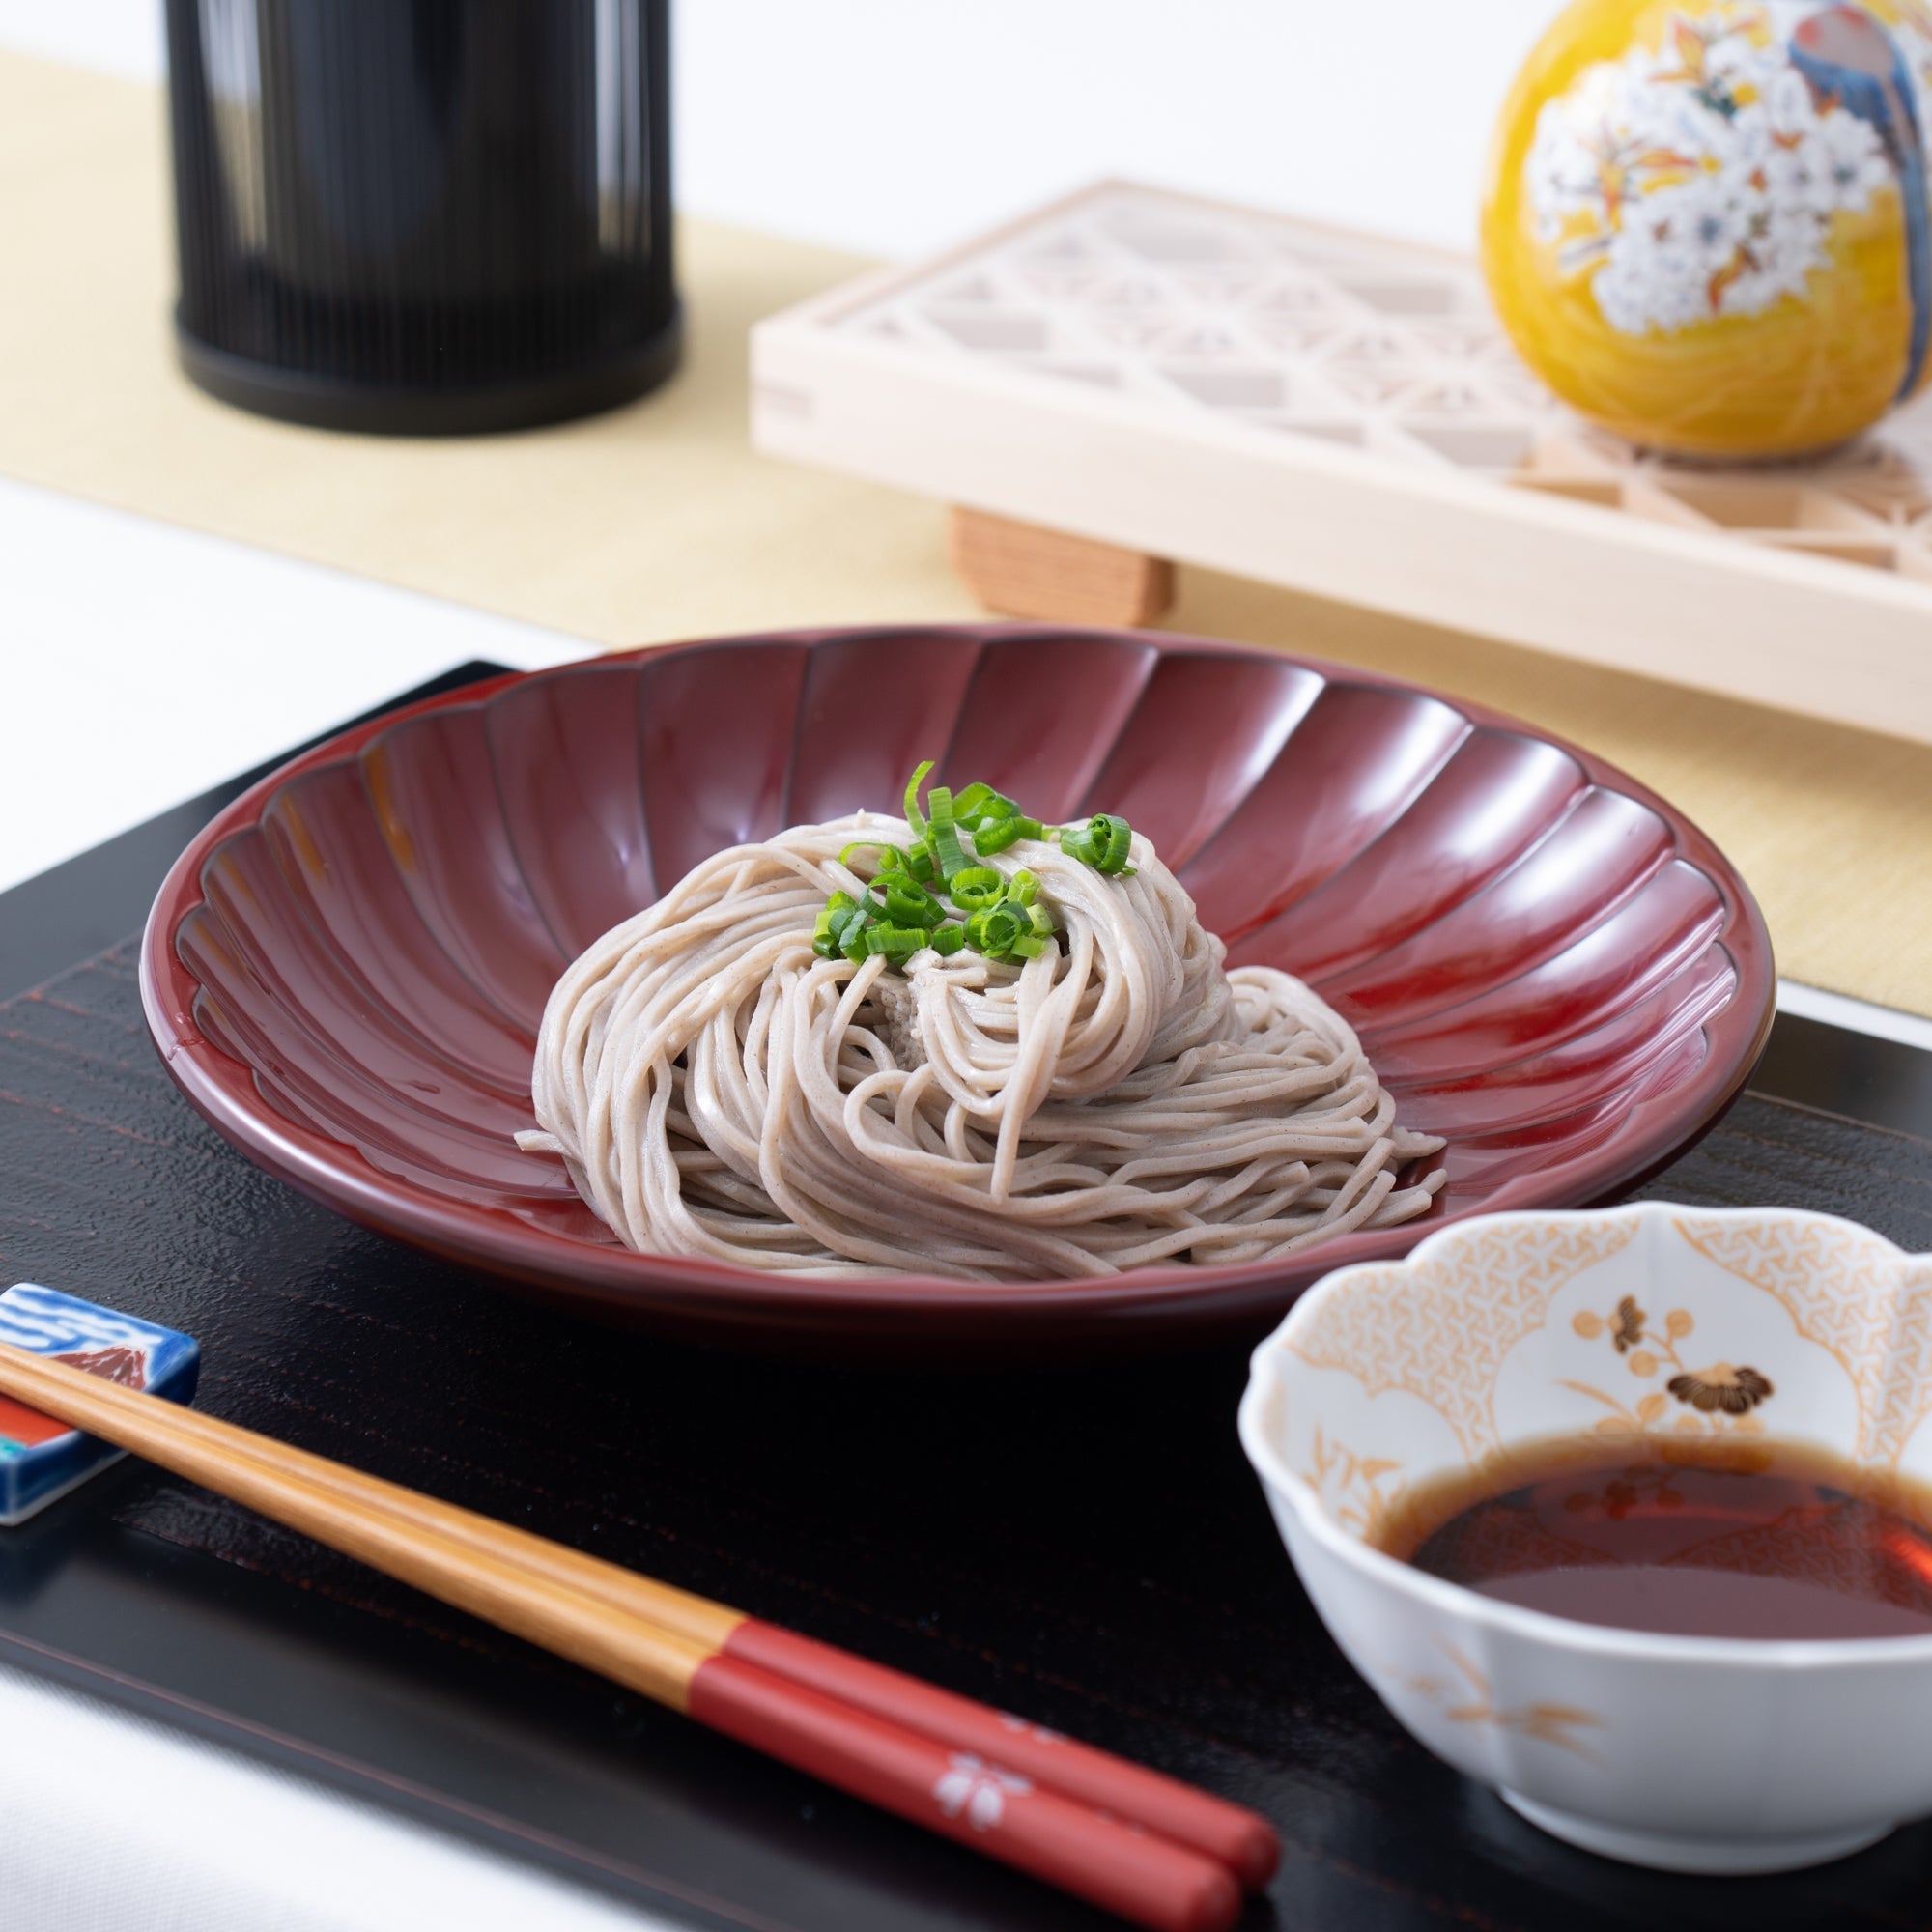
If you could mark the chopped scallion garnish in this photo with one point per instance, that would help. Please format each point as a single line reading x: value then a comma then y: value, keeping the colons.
x: 942, y: 837
x: 1103, y: 843
x: 997, y: 930
x: 995, y: 835
x: 914, y: 816
x: 974, y: 887
x: 910, y: 904
x: 898, y: 943
x: 891, y: 858
x: 1003, y: 917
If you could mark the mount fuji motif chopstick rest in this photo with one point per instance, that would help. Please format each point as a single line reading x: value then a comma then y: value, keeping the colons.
x: 40, y: 1459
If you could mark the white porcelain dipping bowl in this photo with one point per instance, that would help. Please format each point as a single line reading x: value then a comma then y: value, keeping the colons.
x: 1698, y: 1755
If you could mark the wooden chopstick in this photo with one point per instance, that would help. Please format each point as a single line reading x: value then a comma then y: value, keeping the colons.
x: 1148, y: 1847
x: 1129, y: 1792
x: 1237, y: 1838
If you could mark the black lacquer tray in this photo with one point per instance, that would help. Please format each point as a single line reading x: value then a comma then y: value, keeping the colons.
x: 1086, y: 1547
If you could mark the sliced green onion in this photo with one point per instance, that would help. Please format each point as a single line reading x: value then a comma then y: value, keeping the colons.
x: 910, y: 904
x: 828, y: 943
x: 982, y: 801
x: 995, y: 931
x: 898, y: 943
x: 943, y: 835
x: 830, y: 928
x: 1004, y: 917
x: 914, y: 818
x: 975, y: 888
x: 1102, y: 843
x: 993, y: 821
x: 848, y: 927
x: 891, y: 858
x: 994, y: 835
x: 1078, y: 841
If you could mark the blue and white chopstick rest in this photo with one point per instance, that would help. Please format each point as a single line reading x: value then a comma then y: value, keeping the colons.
x: 40, y: 1459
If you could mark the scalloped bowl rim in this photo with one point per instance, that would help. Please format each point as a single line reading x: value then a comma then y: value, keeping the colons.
x: 1456, y: 1600
x: 335, y: 1174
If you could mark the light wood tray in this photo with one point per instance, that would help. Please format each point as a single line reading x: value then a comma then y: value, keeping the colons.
x: 1165, y: 377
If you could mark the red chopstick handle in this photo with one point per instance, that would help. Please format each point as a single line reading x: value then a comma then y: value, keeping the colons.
x: 1235, y: 1836
x: 1163, y: 1886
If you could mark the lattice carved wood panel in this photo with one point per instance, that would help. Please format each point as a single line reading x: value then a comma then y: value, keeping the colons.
x: 1263, y: 394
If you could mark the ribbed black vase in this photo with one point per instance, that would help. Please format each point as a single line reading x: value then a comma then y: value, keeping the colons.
x: 423, y: 217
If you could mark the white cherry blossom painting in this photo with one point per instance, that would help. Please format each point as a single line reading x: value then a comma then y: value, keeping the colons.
x: 1700, y: 178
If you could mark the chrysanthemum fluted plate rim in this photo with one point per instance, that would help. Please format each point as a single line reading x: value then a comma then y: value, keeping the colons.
x: 718, y: 1299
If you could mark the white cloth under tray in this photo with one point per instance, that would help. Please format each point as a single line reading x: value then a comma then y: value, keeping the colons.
x: 114, y: 1823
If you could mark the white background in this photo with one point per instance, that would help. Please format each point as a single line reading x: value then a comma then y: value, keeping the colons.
x: 893, y: 126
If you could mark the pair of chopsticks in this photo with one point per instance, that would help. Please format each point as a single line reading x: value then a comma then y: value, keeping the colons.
x: 1156, y: 1851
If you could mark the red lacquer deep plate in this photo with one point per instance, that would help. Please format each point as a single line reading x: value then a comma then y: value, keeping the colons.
x: 345, y: 971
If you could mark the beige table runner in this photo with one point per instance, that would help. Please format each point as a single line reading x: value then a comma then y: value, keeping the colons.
x: 657, y: 522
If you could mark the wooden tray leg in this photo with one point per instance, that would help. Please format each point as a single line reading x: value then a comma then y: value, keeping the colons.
x: 1023, y: 571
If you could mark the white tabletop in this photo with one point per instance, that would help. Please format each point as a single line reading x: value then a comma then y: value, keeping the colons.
x: 117, y: 1824
x: 150, y: 663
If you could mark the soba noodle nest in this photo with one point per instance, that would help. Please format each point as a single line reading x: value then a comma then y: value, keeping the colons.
x: 717, y: 1089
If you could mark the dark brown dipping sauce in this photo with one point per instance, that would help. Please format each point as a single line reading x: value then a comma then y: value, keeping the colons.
x: 1752, y: 1540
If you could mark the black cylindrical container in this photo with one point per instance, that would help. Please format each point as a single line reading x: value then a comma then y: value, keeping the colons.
x: 423, y: 217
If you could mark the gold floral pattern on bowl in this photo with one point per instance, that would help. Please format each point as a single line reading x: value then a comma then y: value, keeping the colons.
x: 1715, y: 1391
x: 1469, y: 1699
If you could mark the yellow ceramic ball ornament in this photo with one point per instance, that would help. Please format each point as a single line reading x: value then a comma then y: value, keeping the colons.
x: 1706, y: 224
